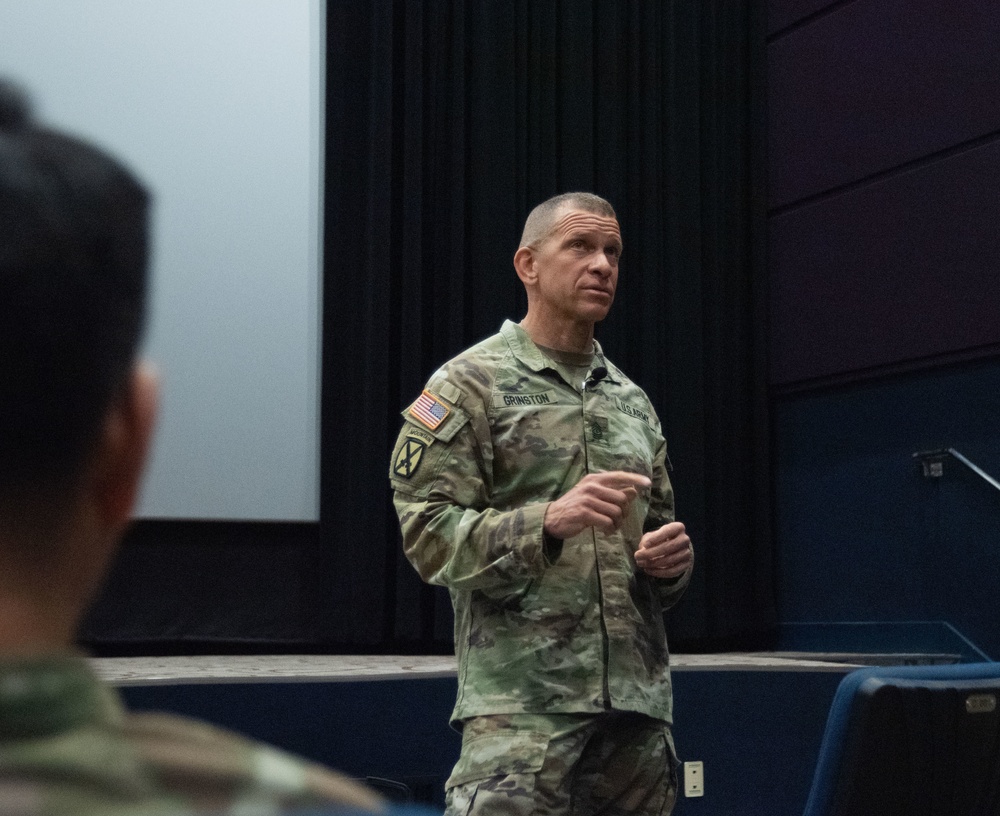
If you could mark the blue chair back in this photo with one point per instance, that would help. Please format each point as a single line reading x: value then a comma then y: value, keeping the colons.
x: 913, y: 740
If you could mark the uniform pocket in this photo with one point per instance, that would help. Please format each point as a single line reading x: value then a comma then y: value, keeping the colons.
x: 504, y: 754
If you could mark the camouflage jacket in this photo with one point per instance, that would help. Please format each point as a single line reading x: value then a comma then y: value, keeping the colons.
x: 67, y: 746
x: 540, y: 625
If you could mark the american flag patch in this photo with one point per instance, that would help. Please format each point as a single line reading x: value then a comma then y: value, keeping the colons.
x: 429, y: 410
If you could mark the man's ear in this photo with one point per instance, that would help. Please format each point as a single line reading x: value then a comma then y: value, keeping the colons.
x: 524, y: 265
x: 120, y: 458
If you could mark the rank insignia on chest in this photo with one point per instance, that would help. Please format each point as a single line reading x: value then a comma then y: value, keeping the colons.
x: 598, y: 429
x: 429, y: 410
x: 411, y: 452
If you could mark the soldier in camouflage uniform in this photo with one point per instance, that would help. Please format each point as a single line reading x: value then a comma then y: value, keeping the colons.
x: 76, y: 413
x: 530, y: 478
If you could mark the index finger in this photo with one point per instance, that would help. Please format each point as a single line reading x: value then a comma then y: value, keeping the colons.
x: 622, y: 479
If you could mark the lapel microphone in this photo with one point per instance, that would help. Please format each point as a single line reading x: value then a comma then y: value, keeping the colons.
x: 595, y: 377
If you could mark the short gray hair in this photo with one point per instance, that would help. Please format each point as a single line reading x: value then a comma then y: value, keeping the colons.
x: 540, y: 221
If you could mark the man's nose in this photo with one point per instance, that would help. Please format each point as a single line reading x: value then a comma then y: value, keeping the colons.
x: 601, y: 264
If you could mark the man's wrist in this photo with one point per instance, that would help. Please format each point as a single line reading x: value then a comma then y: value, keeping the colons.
x: 551, y: 547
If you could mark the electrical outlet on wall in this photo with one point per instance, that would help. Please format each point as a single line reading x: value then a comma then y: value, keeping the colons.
x: 694, y: 779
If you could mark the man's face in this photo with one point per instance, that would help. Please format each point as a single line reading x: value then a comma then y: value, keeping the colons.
x: 577, y: 266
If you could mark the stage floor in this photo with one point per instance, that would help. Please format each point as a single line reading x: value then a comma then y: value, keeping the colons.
x: 144, y: 671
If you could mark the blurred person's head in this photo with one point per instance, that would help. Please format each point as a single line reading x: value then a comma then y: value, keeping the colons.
x: 76, y: 411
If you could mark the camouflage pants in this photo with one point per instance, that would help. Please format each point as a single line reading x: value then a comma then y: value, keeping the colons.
x: 568, y: 764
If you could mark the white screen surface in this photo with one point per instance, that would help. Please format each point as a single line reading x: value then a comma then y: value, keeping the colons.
x: 217, y: 106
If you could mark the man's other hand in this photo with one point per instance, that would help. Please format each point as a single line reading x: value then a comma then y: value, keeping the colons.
x: 666, y: 552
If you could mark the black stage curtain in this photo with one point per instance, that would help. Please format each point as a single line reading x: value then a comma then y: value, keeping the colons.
x: 446, y: 122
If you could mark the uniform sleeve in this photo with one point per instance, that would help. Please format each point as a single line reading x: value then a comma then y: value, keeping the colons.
x: 661, y: 511
x: 442, y: 481
x: 212, y: 769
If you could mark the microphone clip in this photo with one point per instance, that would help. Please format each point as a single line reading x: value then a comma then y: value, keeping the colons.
x: 595, y: 377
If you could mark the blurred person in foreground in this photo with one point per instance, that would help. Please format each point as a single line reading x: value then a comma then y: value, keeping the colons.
x: 76, y: 415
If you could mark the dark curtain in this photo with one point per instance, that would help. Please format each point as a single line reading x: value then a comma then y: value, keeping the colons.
x: 446, y: 122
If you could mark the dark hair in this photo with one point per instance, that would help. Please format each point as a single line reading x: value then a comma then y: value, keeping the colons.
x: 73, y: 252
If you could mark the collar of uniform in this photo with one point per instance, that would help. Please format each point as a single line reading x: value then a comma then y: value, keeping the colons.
x: 47, y: 694
x: 527, y: 352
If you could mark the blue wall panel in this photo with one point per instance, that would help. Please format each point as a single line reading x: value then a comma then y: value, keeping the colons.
x: 899, y: 270
x: 758, y: 732
x: 862, y: 534
x: 394, y: 729
x: 784, y: 13
x: 876, y: 84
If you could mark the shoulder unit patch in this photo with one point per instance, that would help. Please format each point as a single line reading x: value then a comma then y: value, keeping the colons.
x: 408, y: 459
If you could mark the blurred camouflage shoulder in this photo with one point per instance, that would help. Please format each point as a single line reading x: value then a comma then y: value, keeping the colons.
x: 68, y: 746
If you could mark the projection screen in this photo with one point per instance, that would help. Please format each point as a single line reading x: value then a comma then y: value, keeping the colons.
x: 217, y: 105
